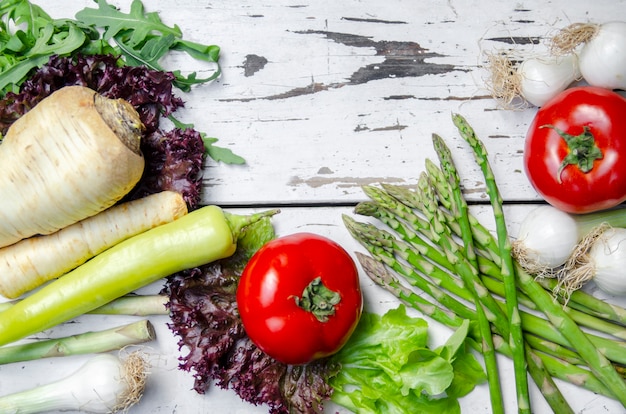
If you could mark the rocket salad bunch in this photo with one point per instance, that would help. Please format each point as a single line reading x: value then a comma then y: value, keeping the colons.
x: 57, y: 52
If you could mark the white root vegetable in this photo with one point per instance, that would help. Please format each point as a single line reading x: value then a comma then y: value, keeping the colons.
x: 31, y: 262
x: 543, y: 78
x: 548, y: 237
x: 104, y: 384
x: 602, y: 57
x: 600, y: 257
x: 535, y: 80
x: 73, y: 155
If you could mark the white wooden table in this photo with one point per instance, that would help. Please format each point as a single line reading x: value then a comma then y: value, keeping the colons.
x: 321, y: 97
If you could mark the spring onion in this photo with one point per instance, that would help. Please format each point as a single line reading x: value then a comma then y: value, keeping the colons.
x: 542, y: 78
x: 601, y: 257
x: 104, y: 384
x: 548, y: 236
x: 535, y: 80
x: 602, y: 56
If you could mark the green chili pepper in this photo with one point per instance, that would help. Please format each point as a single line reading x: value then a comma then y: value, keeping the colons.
x: 198, y: 238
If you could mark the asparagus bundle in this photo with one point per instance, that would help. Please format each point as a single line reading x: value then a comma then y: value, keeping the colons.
x: 433, y: 245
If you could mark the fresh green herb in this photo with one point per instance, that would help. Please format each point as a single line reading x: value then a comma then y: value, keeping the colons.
x: 29, y: 37
x: 143, y: 39
x: 387, y: 367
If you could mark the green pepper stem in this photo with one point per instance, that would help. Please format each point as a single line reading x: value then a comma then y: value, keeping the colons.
x: 238, y: 222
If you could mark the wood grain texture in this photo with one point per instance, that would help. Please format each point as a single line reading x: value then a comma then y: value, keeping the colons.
x: 322, y: 97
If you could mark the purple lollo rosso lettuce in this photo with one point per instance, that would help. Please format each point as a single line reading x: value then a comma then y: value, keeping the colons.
x: 173, y: 158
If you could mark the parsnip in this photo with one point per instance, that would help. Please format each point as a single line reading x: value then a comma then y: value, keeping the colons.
x: 73, y: 155
x: 198, y: 238
x: 31, y: 262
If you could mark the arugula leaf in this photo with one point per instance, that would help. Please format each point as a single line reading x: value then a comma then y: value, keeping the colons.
x: 387, y: 367
x: 29, y: 37
x: 137, y: 22
x: 221, y: 154
x: 143, y: 39
x: 139, y: 37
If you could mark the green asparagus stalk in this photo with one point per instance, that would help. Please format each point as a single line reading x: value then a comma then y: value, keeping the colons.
x: 378, y: 273
x: 588, y: 303
x: 482, y: 237
x: 555, y: 367
x: 593, y: 355
x: 415, y: 251
x: 508, y: 269
x: 89, y: 342
x: 461, y: 216
x: 596, y: 361
x: 487, y: 245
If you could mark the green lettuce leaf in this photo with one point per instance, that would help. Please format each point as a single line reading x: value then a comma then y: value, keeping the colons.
x: 387, y: 367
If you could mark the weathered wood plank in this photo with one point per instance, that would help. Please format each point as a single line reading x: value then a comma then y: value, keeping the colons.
x: 321, y: 97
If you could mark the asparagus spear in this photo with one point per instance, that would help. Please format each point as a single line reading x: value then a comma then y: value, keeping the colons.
x: 488, y: 246
x: 596, y: 361
x: 461, y: 216
x: 554, y: 366
x: 508, y: 269
x: 88, y: 342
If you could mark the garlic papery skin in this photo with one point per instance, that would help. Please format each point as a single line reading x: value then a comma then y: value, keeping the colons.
x: 608, y: 257
x: 104, y: 384
x: 542, y: 78
x: 602, y: 59
x: 546, y: 238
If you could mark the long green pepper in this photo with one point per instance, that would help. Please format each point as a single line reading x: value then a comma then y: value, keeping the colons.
x: 198, y: 238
